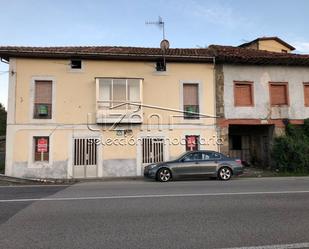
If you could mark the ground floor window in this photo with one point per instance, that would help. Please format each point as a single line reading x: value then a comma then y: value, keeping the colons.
x: 41, y: 149
x: 192, y: 142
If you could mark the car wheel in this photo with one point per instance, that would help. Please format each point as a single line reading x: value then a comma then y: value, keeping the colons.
x: 164, y: 175
x: 225, y: 174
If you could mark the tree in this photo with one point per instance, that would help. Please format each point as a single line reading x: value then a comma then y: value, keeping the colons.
x: 2, y: 120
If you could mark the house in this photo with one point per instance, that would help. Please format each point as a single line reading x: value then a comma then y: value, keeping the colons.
x: 257, y: 94
x: 272, y: 44
x: 79, y: 112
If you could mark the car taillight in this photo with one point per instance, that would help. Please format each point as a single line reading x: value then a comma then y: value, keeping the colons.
x: 238, y: 161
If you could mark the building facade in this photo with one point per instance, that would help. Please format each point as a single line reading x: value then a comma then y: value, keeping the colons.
x: 107, y: 115
x: 87, y: 112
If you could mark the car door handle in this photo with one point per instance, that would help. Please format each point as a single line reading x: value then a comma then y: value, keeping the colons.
x: 196, y: 162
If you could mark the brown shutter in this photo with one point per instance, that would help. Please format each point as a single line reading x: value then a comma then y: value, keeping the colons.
x: 243, y: 94
x: 306, y: 94
x: 190, y: 94
x: 43, y: 92
x: 278, y: 94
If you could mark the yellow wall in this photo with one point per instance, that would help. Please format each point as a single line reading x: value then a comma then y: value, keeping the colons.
x: 75, y: 91
x: 272, y: 45
x: 75, y: 96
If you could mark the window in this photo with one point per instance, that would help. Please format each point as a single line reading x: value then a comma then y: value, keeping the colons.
x: 243, y: 93
x: 43, y: 100
x: 284, y: 51
x: 306, y: 94
x: 190, y: 101
x: 76, y: 64
x: 161, y: 65
x: 114, y: 92
x: 278, y: 93
x: 192, y: 142
x: 41, y: 149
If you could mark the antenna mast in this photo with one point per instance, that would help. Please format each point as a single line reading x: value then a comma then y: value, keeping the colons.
x: 159, y: 23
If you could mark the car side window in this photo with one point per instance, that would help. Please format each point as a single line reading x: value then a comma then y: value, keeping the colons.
x: 193, y: 157
x: 210, y: 156
x: 216, y: 155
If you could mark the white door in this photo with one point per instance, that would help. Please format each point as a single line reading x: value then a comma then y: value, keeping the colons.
x: 85, y: 158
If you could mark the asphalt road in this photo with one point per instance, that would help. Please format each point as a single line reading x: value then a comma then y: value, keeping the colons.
x: 258, y: 213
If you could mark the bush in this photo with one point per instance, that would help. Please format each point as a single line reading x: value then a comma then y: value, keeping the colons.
x: 290, y: 153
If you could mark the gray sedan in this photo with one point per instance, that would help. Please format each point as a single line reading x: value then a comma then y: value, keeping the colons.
x: 195, y: 163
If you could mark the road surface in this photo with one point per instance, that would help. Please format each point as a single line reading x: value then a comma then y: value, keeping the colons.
x: 241, y: 213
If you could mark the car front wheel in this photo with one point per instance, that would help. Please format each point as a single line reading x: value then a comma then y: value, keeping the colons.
x: 164, y: 175
x: 225, y: 174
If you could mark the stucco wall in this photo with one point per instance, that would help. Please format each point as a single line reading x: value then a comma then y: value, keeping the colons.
x: 272, y: 45
x: 75, y: 97
x: 261, y: 76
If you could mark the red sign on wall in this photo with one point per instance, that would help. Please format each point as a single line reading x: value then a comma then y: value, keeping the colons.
x: 42, y: 145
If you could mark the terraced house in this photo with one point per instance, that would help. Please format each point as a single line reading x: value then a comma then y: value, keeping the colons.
x: 78, y: 112
x: 105, y: 111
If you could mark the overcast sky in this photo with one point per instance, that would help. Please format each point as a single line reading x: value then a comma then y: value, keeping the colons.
x: 195, y: 23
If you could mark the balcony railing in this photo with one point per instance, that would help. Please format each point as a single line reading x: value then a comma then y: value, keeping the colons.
x: 123, y: 112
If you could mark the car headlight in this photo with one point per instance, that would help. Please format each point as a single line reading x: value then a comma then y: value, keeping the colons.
x: 151, y: 166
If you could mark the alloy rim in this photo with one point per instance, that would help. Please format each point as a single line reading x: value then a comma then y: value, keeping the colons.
x: 165, y: 175
x: 225, y: 173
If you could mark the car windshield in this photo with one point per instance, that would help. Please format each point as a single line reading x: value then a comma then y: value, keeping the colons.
x: 182, y: 155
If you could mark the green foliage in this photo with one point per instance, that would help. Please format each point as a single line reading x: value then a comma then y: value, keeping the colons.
x: 2, y: 120
x: 290, y: 153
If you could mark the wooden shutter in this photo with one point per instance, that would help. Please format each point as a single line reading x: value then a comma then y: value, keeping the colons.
x: 278, y: 94
x: 43, y: 92
x: 190, y: 94
x: 243, y: 94
x: 306, y: 93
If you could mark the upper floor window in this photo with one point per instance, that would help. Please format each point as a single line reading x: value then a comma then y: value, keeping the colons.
x: 306, y: 93
x: 279, y: 93
x: 161, y: 65
x: 115, y: 93
x: 191, y: 101
x: 243, y: 93
x: 76, y: 64
x: 42, y: 99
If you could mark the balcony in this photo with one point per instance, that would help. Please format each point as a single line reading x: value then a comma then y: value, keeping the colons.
x: 118, y: 100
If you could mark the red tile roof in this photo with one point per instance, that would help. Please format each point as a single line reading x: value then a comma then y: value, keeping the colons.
x: 222, y: 54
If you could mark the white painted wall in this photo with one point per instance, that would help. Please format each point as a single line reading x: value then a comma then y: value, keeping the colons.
x: 261, y: 76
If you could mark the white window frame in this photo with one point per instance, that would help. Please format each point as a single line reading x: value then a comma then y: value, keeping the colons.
x: 112, y: 88
x: 40, y: 164
x: 200, y: 99
x: 32, y: 97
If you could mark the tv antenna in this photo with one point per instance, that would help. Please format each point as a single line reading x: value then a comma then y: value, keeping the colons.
x: 159, y: 23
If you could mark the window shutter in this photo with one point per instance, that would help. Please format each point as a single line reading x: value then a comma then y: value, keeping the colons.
x: 190, y: 94
x: 278, y: 93
x: 243, y: 94
x: 306, y: 93
x: 43, y: 92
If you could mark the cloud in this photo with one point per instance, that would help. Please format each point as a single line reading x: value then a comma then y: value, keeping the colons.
x: 301, y: 47
x: 213, y: 12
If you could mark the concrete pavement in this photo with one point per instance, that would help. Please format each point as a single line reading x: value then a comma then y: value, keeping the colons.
x: 147, y: 214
